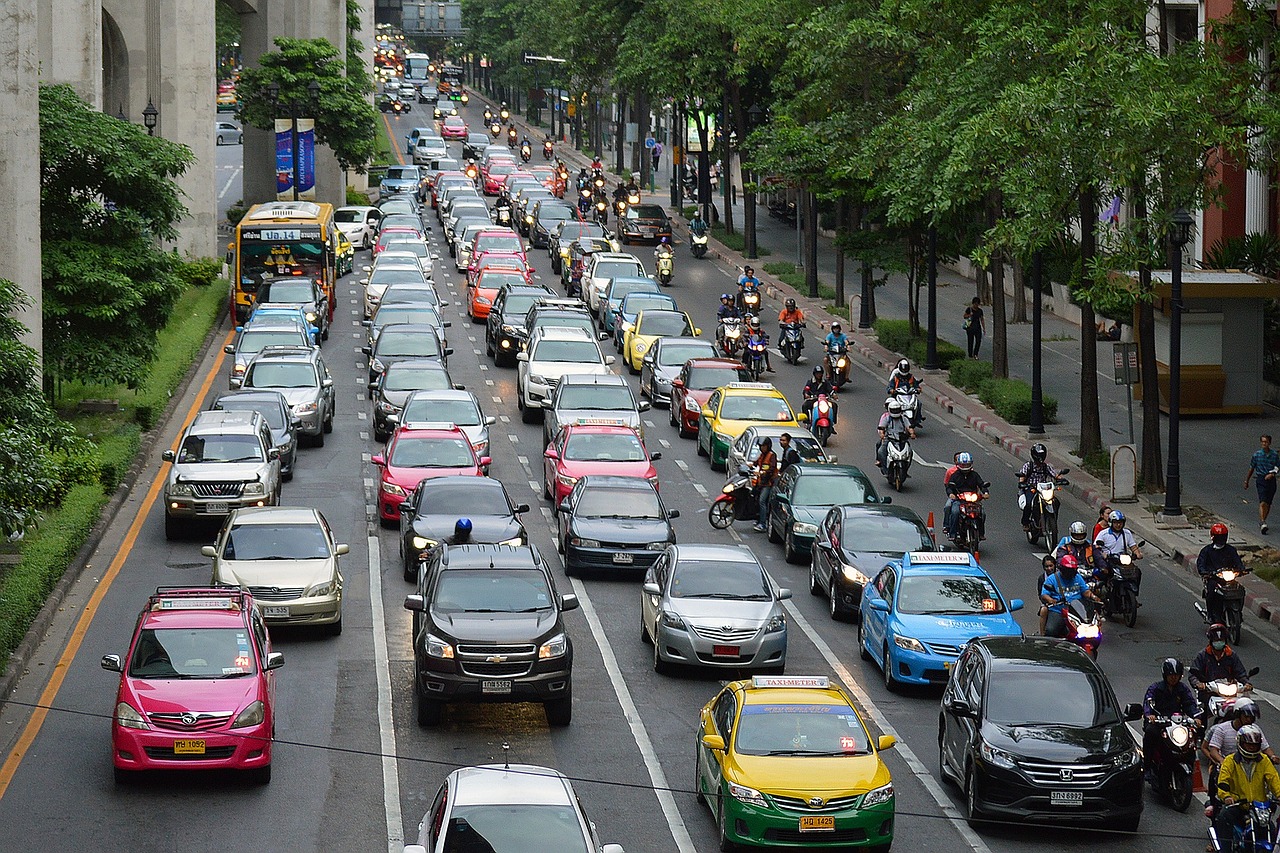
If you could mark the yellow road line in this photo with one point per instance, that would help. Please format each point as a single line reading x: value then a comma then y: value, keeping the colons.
x: 60, y: 669
x: 391, y: 138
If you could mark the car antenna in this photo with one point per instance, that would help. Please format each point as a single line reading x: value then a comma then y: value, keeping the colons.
x: 506, y: 751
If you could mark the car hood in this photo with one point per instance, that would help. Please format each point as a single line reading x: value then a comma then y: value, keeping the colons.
x: 485, y: 529
x: 409, y: 478
x: 217, y: 472
x: 808, y: 776
x: 809, y: 514
x: 624, y: 530
x: 351, y: 227
x: 281, y: 573
x: 295, y: 396
x: 957, y: 630
x: 735, y: 614
x: 1059, y: 744
x: 556, y: 369
x: 174, y: 695
x: 503, y: 628
x: 579, y: 470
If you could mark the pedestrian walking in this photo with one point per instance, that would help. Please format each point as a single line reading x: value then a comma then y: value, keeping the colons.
x: 975, y: 326
x: 657, y: 154
x: 1264, y: 464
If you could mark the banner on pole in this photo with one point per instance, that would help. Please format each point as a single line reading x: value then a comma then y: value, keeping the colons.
x: 306, y: 159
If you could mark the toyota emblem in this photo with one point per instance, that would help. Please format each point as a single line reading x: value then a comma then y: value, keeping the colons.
x: 815, y: 802
x: 1067, y: 774
x: 189, y: 719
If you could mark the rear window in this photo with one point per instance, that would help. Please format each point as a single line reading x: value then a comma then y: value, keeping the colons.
x: 646, y: 211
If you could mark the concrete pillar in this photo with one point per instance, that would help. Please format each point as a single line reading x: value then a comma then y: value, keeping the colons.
x: 1256, y: 197
x: 71, y: 46
x: 366, y: 38
x: 20, y: 160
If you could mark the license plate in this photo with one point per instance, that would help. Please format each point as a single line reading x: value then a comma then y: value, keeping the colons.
x: 623, y: 558
x: 269, y: 612
x: 495, y: 687
x: 724, y: 651
x: 818, y: 823
x: 188, y: 747
x: 1066, y: 798
x: 220, y: 506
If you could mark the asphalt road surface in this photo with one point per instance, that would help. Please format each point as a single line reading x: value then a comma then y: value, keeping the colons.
x: 352, y: 769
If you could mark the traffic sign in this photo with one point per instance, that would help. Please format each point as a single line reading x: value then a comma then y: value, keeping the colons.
x: 650, y: 142
x: 1125, y: 361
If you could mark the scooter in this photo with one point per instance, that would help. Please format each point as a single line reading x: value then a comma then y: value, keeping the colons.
x: 823, y: 410
x: 837, y: 363
x: 1068, y: 621
x: 697, y: 244
x: 525, y: 153
x: 1258, y: 834
x: 750, y: 301
x: 729, y: 337
x: 1123, y: 583
x: 546, y: 150
x: 897, y: 459
x: 666, y: 264
x: 602, y: 211
x: 755, y: 359
x: 1173, y: 765
x: 511, y: 137
x: 1044, y: 510
x: 1228, y: 602
x: 968, y: 515
x: 504, y: 215
x: 909, y: 399
x: 791, y: 342
x: 736, y: 502
x: 1222, y: 695
x: 495, y: 130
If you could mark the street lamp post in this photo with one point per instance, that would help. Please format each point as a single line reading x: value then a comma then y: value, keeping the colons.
x: 754, y: 114
x: 864, y: 308
x: 1182, y: 222
x: 150, y: 116
x: 273, y: 94
x: 931, y: 335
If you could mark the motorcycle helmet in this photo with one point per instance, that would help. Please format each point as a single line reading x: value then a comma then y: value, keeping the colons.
x: 663, y: 241
x: 904, y: 366
x: 1217, y: 633
x: 835, y: 328
x: 1218, y: 533
x: 964, y: 461
x: 1116, y: 515
x: 1039, y: 452
x: 1249, y: 742
x: 462, y: 530
x: 1067, y: 567
x: 895, y: 408
x: 790, y: 304
x: 1078, y: 533
x: 887, y: 401
x: 753, y: 323
x: 817, y: 373
x: 1171, y: 666
x: 724, y: 297
x: 1245, y: 707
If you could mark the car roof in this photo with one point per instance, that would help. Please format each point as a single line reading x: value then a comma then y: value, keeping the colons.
x: 464, y: 481
x: 253, y: 394
x: 430, y: 430
x: 616, y: 483
x: 828, y: 469
x: 276, y: 515
x: 601, y: 426
x: 524, y: 784
x: 218, y: 420
x: 958, y: 563
x: 615, y: 256
x: 1017, y: 652
x: 592, y: 379
x: 492, y: 556
x: 563, y: 333
x: 708, y: 552
x: 287, y: 354
x: 189, y: 607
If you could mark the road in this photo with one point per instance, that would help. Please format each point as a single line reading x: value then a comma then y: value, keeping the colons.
x: 345, y: 702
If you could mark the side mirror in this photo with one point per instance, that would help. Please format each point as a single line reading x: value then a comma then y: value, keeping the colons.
x: 273, y: 453
x: 367, y: 350
x: 604, y: 336
x: 393, y: 418
x: 373, y: 386
x: 568, y: 601
x: 563, y: 506
x: 961, y: 708
x: 486, y: 461
x: 1015, y: 605
x: 645, y: 405
x: 448, y: 350
x: 367, y: 269
x: 111, y: 663
x: 327, y: 383
x: 447, y: 323
x: 707, y: 413
x: 208, y: 551
x: 547, y: 404
x: 340, y: 550
x: 651, y: 589
x: 458, y: 386
x: 655, y: 456
x: 415, y: 602
x: 521, y: 508
x: 275, y: 660
x: 713, y: 742
x: 886, y: 500
x: 378, y: 460
x: 522, y: 356
x: 168, y: 456
x: 1132, y: 711
x: 880, y: 605
x: 229, y: 349
x: 648, y: 359
x: 886, y: 742
x: 783, y: 593
x: 696, y: 332
x: 550, y: 453
x: 490, y: 421
x: 609, y: 360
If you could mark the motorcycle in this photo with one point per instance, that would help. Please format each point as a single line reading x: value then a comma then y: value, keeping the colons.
x: 909, y: 399
x: 495, y: 130
x: 620, y: 208
x: 1228, y: 604
x: 791, y: 342
x: 729, y: 337
x: 1222, y: 694
x: 546, y: 150
x: 602, y: 211
x: 737, y: 501
x: 1068, y: 621
x: 504, y: 216
x: 897, y: 459
x: 505, y: 113
x: 525, y: 153
x: 1044, y: 509
x: 511, y: 137
x: 1123, y: 581
x: 666, y: 265
x: 488, y: 116
x: 837, y: 364
x: 697, y: 244
x: 968, y: 515
x: 749, y: 301
x: 1258, y: 833
x: 755, y: 358
x: 1173, y: 765
x: 821, y: 417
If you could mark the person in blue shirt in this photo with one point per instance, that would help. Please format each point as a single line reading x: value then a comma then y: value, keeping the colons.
x: 728, y: 308
x: 836, y: 341
x: 748, y: 279
x: 1264, y: 463
x: 697, y: 224
x: 1063, y: 586
x: 1168, y: 696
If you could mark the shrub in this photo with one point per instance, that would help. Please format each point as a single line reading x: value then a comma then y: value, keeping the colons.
x: 115, y: 454
x: 894, y: 334
x: 355, y: 197
x: 236, y: 212
x: 969, y: 375
x: 199, y: 272
x: 1011, y: 400
x: 948, y: 353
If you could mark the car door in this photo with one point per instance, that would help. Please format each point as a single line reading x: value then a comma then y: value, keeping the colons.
x: 826, y: 552
x: 326, y: 386
x: 650, y: 604
x: 875, y: 621
x: 952, y: 741
x: 705, y: 417
x: 779, y: 509
x: 723, y: 714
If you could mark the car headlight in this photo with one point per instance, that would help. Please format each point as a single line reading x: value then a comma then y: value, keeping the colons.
x: 691, y: 405
x: 657, y: 546
x: 438, y: 648
x: 672, y: 620
x: 566, y: 481
x: 392, y: 489
x: 387, y: 408
x: 998, y: 757
x: 804, y: 528
x: 377, y: 366
x: 238, y: 370
x: 775, y: 624
x: 743, y: 794
x: 1129, y: 758
x: 883, y: 794
x: 304, y: 408
x: 311, y: 316
x: 911, y: 644
x: 481, y: 447
x: 852, y: 575
x: 421, y: 543
x: 128, y: 718
x: 181, y: 490
x: 579, y: 542
x: 329, y: 587
x: 254, y: 489
x: 516, y: 540
x: 723, y: 437
x: 483, y: 300
x: 538, y: 380
x: 553, y: 648
x: 250, y: 716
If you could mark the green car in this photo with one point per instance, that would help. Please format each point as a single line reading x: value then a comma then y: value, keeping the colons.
x: 734, y: 407
x: 803, y: 495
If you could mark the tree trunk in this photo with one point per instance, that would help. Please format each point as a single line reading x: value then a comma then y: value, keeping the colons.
x: 842, y: 216
x: 1152, y: 473
x: 984, y: 284
x: 748, y: 190
x: 1019, y: 293
x: 726, y: 161
x: 1090, y: 423
x: 999, y: 326
x: 620, y: 135
x: 811, y: 244
x: 914, y: 256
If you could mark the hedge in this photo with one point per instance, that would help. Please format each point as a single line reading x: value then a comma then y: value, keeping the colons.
x: 896, y: 335
x: 1011, y: 400
x: 969, y: 374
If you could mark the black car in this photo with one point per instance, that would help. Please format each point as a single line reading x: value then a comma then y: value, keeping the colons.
x: 613, y: 523
x: 394, y: 387
x: 548, y: 213
x: 398, y: 341
x: 430, y: 515
x: 491, y: 630
x: 505, y: 332
x: 644, y: 222
x: 275, y: 409
x: 389, y: 103
x: 803, y: 494
x: 1031, y: 730
x: 853, y: 542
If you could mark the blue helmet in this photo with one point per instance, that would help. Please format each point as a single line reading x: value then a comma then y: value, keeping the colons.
x: 463, y: 526
x: 964, y: 460
x: 1116, y: 515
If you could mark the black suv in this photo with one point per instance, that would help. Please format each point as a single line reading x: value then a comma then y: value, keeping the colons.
x: 488, y: 628
x: 1031, y: 730
x: 505, y: 333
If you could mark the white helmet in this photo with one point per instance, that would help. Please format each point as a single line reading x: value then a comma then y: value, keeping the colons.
x: 889, y: 401
x: 895, y: 408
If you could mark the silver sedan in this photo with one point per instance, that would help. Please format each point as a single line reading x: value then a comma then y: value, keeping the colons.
x: 713, y: 606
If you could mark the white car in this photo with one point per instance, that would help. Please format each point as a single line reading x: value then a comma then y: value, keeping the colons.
x: 403, y: 251
x: 358, y: 224
x: 553, y: 352
x: 604, y: 266
x: 226, y: 133
x: 429, y: 148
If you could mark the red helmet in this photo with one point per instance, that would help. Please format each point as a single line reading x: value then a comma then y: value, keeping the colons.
x: 1218, y: 529
x: 1067, y: 561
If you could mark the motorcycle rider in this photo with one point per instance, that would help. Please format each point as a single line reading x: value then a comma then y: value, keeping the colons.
x: 663, y: 249
x: 901, y: 379
x: 1056, y: 588
x: 1242, y: 779
x: 1168, y: 696
x: 747, y: 282
x: 755, y: 334
x: 1077, y: 544
x: 892, y: 424
x: 525, y: 144
x: 1117, y: 540
x: 1034, y: 470
x: 697, y: 225
x: 965, y: 479
x: 728, y: 308
x: 838, y: 342
x: 1215, y: 557
x: 461, y: 532
x: 1220, y: 740
x: 504, y: 200
x: 597, y: 165
x: 1217, y: 660
x: 790, y: 313
x: 819, y: 384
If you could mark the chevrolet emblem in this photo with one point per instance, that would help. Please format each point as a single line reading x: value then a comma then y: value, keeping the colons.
x: 495, y: 659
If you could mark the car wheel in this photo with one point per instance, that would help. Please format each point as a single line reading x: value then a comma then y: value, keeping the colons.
x: 890, y: 683
x: 815, y: 588
x: 260, y: 775
x: 701, y: 452
x: 430, y: 712
x: 317, y: 440
x: 697, y: 777
x: 488, y: 347
x: 334, y: 629
x: 328, y: 422
x: 559, y: 712
x: 725, y: 843
x: 660, y: 666
x: 219, y: 142
x: 972, y: 812
x: 410, y: 571
x: 789, y: 551
x: 172, y: 530
x: 862, y: 645
x: 528, y: 414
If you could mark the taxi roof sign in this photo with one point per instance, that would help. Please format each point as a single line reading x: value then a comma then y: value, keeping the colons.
x: 196, y: 598
x: 752, y: 386
x: 599, y: 422
x: 818, y: 681
x: 950, y: 558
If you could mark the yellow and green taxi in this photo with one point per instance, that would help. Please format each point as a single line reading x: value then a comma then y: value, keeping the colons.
x: 648, y: 327
x: 731, y: 409
x: 785, y: 761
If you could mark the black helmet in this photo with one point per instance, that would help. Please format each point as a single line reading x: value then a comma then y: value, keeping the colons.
x: 1171, y: 666
x: 818, y: 373
x: 1039, y: 452
x: 790, y: 303
x: 1217, y: 631
x: 724, y: 297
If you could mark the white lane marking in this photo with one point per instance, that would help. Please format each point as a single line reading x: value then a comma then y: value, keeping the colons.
x: 664, y: 442
x: 227, y: 186
x: 515, y: 439
x: 675, y: 822
x: 909, y: 756
x: 700, y: 489
x: 499, y: 400
x: 533, y: 484
x: 364, y: 436
x: 362, y: 416
x: 386, y: 724
x: 682, y: 465
x: 523, y: 460
x: 490, y: 382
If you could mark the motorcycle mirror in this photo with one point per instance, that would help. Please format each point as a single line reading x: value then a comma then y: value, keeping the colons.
x: 886, y: 500
x: 1251, y: 673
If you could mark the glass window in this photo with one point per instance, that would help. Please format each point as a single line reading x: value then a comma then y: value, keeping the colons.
x: 740, y: 407
x: 566, y: 351
x: 487, y: 591
x: 671, y: 355
x: 192, y: 653
x: 829, y: 730
x: 618, y: 503
x: 646, y: 211
x: 616, y: 269
x: 272, y: 412
x: 716, y: 579
x: 948, y: 595
x: 432, y: 453
x: 664, y: 324
x: 887, y: 534
x: 415, y: 377
x: 601, y: 397
x: 461, y: 412
x: 281, y: 374
x: 253, y: 340
x: 276, y: 542
x: 520, y: 303
x: 498, y: 243
x: 477, y: 500
x: 262, y: 260
x: 706, y: 378
x: 819, y: 490
x: 220, y: 448
x: 1028, y: 696
x: 424, y: 314
x: 397, y: 343
x: 513, y: 828
x: 402, y: 173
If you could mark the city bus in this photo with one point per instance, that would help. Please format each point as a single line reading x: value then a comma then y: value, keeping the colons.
x: 282, y: 238
x: 417, y: 69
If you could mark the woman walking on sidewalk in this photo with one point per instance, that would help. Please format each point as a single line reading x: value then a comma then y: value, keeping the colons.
x: 975, y: 326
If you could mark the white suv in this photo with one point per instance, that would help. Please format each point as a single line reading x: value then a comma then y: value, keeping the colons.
x: 553, y: 352
x: 603, y: 266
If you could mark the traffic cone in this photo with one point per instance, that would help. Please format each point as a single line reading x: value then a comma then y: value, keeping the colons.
x: 1197, y: 780
x: 933, y: 534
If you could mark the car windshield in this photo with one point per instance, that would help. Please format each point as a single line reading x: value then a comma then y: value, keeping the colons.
x: 819, y: 490
x: 645, y: 211
x: 806, y: 446
x: 348, y: 215
x: 622, y: 286
x: 676, y: 355
x: 399, y: 233
x: 424, y: 314
x: 454, y: 121
x: 289, y: 290
x: 487, y: 591
x: 708, y: 378
x: 635, y: 303
x: 192, y: 653
x: 719, y: 579
x: 502, y: 167
x: 408, y: 344
x: 417, y: 248
x: 521, y: 303
x: 604, y: 447
x: 402, y: 173
x: 663, y: 323
x: 220, y: 448
x: 573, y: 321
x: 948, y: 595
x: 432, y: 453
x: 582, y: 352
x: 281, y: 374
x: 460, y: 412
x: 402, y: 220
x: 618, y: 503
x: 515, y: 828
x: 276, y: 542
x: 740, y: 407
x: 391, y: 275
x: 492, y: 279
x: 884, y: 533
x: 1049, y: 695
x: 498, y: 243
x: 610, y: 397
x: 271, y: 412
x: 617, y: 269
x: 416, y: 377
x: 477, y: 499
x: 829, y: 730
x: 253, y: 340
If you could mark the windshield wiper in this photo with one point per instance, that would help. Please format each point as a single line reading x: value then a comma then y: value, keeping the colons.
x: 826, y: 752
x: 725, y: 595
x: 950, y: 613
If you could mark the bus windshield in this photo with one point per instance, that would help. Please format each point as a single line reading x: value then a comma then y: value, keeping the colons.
x: 261, y: 261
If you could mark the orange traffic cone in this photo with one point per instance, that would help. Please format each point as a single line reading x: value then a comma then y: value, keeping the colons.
x: 1197, y: 780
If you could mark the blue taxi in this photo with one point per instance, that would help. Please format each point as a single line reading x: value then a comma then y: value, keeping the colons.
x: 918, y: 613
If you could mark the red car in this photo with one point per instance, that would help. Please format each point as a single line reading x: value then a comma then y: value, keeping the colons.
x: 507, y: 260
x: 502, y: 240
x: 197, y: 687
x: 692, y: 388
x: 453, y: 127
x: 419, y: 452
x: 483, y: 289
x: 584, y: 448
x: 494, y: 174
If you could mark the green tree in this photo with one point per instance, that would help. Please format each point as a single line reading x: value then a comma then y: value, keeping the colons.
x: 107, y: 197
x: 345, y: 120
